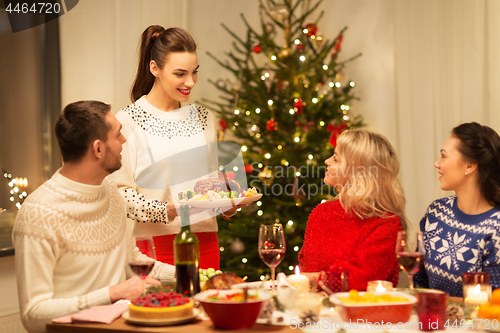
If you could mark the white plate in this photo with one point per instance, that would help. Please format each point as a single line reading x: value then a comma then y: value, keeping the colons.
x: 222, y: 203
x: 160, y: 322
x: 254, y: 285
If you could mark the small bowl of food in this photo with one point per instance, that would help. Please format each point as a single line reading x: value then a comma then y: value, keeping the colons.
x: 228, y: 309
x: 374, y: 307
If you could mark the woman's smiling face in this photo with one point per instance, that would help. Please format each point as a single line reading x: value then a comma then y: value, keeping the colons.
x: 178, y: 76
x: 451, y: 165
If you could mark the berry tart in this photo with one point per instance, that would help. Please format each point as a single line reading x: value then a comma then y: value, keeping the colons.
x: 161, y: 305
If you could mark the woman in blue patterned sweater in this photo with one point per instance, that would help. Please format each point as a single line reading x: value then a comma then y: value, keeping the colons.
x: 462, y: 232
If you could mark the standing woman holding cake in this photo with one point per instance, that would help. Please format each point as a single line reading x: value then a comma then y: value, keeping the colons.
x: 168, y: 147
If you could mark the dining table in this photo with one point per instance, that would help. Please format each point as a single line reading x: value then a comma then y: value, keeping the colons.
x: 121, y: 326
x: 329, y: 322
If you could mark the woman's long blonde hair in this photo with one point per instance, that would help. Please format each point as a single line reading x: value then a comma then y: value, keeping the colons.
x: 369, y: 169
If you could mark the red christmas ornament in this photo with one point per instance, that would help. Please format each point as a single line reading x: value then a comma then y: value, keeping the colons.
x: 272, y: 125
x: 337, y: 46
x: 312, y: 29
x: 336, y: 131
x: 248, y: 168
x: 298, y: 105
x: 300, y: 47
x: 257, y: 48
x: 223, y: 124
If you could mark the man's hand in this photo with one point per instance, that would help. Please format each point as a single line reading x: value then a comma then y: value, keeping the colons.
x: 131, y: 288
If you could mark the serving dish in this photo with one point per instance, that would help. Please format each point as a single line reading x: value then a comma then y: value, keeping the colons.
x: 231, y: 314
x: 222, y: 203
x: 392, y: 312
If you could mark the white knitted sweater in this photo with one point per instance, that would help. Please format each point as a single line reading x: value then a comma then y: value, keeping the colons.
x: 72, y: 242
x: 165, y: 153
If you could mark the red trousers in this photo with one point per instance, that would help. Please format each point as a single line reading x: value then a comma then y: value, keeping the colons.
x: 208, y: 245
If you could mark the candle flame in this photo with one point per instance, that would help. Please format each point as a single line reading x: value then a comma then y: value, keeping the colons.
x: 380, y: 288
x: 297, y: 270
x: 477, y: 288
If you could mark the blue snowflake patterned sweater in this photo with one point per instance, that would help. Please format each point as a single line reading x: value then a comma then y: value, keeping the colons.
x: 455, y: 243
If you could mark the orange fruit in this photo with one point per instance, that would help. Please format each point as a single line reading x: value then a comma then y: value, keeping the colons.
x: 495, y: 297
x: 484, y: 311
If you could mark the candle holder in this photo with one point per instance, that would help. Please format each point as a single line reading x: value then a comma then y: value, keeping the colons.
x: 476, y: 291
x: 308, y: 306
x: 379, y: 286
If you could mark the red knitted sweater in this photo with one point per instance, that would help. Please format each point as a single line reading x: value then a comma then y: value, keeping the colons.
x: 366, y: 248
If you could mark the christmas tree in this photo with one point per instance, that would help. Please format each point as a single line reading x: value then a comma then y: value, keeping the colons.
x: 285, y: 107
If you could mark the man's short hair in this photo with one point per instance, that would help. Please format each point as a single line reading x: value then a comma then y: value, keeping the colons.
x: 78, y: 125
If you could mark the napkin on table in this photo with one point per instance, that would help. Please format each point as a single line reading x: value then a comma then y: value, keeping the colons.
x: 105, y: 314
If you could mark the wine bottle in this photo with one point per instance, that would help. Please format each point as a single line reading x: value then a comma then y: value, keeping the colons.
x: 186, y: 257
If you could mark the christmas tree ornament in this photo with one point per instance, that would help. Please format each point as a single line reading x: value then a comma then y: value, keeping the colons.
x: 317, y: 40
x: 280, y: 13
x: 266, y: 176
x: 337, y: 46
x: 272, y: 125
x: 310, y: 29
x: 248, y: 168
x: 237, y: 246
x: 336, y: 131
x: 221, y: 84
x: 298, y: 105
x: 257, y: 48
x: 300, y: 48
x: 223, y: 124
x: 284, y: 53
x: 236, y: 86
x: 270, y: 29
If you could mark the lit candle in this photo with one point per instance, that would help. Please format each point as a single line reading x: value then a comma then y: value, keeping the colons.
x: 379, y: 286
x: 476, y: 296
x: 299, y: 281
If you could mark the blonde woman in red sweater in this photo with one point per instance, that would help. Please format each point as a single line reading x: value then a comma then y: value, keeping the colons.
x: 357, y: 231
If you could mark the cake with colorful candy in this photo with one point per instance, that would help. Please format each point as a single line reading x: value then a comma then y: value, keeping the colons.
x: 161, y: 305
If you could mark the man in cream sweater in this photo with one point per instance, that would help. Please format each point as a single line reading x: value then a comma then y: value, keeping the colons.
x: 71, y: 237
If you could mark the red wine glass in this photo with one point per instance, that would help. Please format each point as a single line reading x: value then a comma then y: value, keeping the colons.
x: 410, y: 261
x: 142, y: 265
x: 272, y: 247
